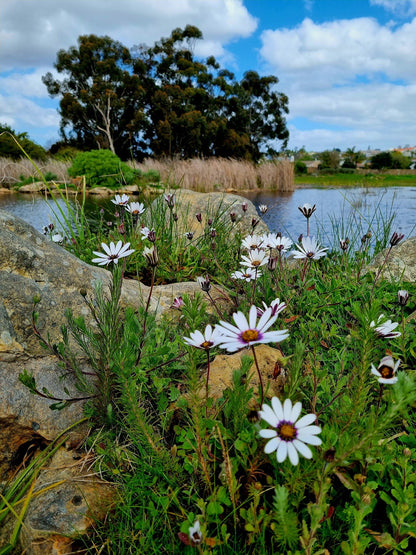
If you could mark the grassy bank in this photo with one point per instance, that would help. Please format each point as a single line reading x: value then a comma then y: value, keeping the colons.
x: 231, y: 471
x: 356, y: 180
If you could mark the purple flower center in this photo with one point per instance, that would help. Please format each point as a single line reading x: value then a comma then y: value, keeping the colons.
x: 249, y: 336
x: 286, y: 431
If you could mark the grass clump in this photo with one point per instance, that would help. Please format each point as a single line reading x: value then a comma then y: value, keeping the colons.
x: 326, y: 463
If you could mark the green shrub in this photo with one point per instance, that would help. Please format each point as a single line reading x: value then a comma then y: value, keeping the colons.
x: 300, y: 168
x: 102, y: 168
x: 10, y: 141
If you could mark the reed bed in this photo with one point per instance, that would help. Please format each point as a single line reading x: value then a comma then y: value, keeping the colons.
x: 13, y: 171
x: 212, y: 174
x: 222, y: 174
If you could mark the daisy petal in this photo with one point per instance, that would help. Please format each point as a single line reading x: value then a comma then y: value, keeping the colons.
x: 302, y: 448
x: 281, y: 453
x: 269, y: 416
x: 278, y: 409
x: 305, y: 420
x: 293, y: 454
x: 272, y: 445
x: 267, y: 434
x: 287, y: 409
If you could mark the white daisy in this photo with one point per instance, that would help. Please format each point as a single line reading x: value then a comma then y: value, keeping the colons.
x: 112, y: 253
x: 252, y: 242
x: 386, y: 371
x: 248, y: 332
x: 248, y: 275
x: 263, y: 208
x: 135, y: 208
x: 195, y: 534
x: 309, y: 249
x: 275, y: 305
x: 210, y: 338
x: 385, y: 329
x: 289, y: 435
x: 283, y: 244
x: 57, y: 238
x: 120, y: 200
x: 255, y: 259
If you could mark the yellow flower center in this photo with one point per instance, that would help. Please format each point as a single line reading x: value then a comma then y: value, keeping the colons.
x: 250, y: 335
x: 255, y: 263
x: 309, y: 254
x: 206, y: 344
x: 286, y: 431
x: 386, y: 372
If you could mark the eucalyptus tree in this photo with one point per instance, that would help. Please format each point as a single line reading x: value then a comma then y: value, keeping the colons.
x: 101, y: 99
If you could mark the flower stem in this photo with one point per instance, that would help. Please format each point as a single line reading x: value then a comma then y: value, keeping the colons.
x: 259, y: 374
x: 146, y: 310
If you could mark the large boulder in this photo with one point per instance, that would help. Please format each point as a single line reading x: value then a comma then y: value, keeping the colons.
x: 212, y: 205
x: 401, y: 262
x: 32, y: 265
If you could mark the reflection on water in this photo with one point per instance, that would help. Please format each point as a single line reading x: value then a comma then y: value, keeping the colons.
x: 345, y: 210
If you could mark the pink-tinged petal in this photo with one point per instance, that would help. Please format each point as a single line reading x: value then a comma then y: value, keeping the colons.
x: 197, y: 337
x: 302, y: 448
x: 293, y: 454
x: 226, y: 328
x: 296, y: 410
x: 267, y: 433
x: 274, y: 336
x: 278, y: 408
x: 272, y: 445
x: 241, y: 321
x: 119, y: 245
x: 232, y: 346
x: 312, y: 440
x: 269, y: 416
x: 287, y: 409
x: 100, y: 261
x: 281, y: 453
x: 266, y: 320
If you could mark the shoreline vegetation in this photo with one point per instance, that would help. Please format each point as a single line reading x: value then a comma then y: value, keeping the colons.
x: 310, y: 443
x: 214, y: 174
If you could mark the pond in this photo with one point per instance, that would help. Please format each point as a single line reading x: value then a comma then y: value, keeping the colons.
x: 340, y: 212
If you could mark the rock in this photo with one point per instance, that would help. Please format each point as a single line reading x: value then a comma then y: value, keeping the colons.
x: 37, y: 187
x: 223, y: 367
x: 401, y: 263
x: 67, y: 499
x: 211, y: 205
x: 31, y: 264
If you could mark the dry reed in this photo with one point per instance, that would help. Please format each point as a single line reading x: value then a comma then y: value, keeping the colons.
x: 212, y: 174
x: 221, y: 174
x: 12, y: 171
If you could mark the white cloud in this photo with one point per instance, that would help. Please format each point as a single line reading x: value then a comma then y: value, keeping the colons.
x: 399, y: 7
x: 25, y: 84
x: 336, y: 52
x: 32, y: 32
x: 19, y: 112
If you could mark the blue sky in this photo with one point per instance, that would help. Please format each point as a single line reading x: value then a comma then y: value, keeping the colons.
x: 347, y: 66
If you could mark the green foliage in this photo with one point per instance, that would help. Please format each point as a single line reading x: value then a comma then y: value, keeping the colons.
x: 390, y: 160
x: 300, y: 167
x: 164, y: 100
x: 180, y: 454
x: 9, y: 145
x: 102, y: 168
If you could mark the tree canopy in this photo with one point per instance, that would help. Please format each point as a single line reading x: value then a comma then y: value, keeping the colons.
x: 10, y: 149
x: 162, y: 100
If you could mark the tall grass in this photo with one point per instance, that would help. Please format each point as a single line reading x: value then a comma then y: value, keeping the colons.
x: 199, y: 175
x: 12, y: 171
x: 222, y: 174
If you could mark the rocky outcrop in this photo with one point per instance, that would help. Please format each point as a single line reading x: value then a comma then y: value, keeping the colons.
x: 217, y: 206
x: 401, y: 262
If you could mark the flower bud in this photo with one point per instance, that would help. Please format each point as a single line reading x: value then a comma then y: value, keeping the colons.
x: 396, y: 238
x: 403, y: 297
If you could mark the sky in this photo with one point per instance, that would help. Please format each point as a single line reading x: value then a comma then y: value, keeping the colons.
x: 348, y: 67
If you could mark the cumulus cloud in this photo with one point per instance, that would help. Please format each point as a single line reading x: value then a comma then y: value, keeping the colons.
x: 31, y: 34
x: 398, y: 7
x: 19, y: 112
x: 337, y: 51
x: 25, y: 84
